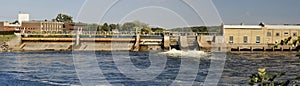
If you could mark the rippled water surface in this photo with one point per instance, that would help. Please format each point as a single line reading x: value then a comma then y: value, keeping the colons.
x: 59, y: 68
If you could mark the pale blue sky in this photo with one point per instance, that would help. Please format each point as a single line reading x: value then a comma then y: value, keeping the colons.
x: 231, y: 11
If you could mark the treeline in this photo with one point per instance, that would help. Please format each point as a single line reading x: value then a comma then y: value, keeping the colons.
x: 128, y: 26
x: 201, y: 29
x: 7, y: 32
x: 144, y: 28
x: 136, y: 26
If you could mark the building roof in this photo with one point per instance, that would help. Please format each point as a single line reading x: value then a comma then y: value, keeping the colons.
x: 283, y: 27
x: 297, y: 27
x: 242, y: 26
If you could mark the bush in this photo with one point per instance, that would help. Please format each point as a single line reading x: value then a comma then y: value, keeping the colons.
x: 263, y: 78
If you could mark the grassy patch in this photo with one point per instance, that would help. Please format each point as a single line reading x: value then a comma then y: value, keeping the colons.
x: 6, y: 37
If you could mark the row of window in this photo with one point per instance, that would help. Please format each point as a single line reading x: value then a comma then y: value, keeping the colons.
x: 51, y: 26
x: 285, y: 34
x: 245, y: 39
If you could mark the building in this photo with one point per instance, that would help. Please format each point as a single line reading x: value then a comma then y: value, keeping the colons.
x: 23, y: 18
x: 5, y: 26
x: 2, y: 25
x: 42, y: 26
x: 259, y: 36
x: 69, y: 27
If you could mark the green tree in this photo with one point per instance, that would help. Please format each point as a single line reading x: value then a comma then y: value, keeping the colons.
x: 157, y: 30
x: 264, y: 78
x: 15, y: 22
x: 131, y: 26
x: 113, y: 26
x: 92, y: 27
x: 146, y: 30
x: 63, y: 18
x: 128, y: 26
x: 105, y: 27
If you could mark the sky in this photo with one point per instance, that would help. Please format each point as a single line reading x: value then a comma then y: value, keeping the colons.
x: 160, y: 13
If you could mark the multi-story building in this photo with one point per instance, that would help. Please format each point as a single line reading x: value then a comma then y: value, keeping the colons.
x: 42, y: 26
x: 259, y: 36
x: 23, y: 17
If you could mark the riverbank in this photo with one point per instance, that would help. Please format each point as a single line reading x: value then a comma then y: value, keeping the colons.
x: 9, y: 42
x: 3, y: 42
x: 5, y: 38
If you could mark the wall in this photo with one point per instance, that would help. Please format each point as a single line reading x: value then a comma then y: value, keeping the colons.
x: 23, y: 17
x: 52, y: 26
x: 273, y: 38
x: 239, y: 33
x: 42, y: 26
x: 1, y: 26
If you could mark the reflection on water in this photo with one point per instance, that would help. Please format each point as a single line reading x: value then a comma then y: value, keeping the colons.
x: 57, y: 68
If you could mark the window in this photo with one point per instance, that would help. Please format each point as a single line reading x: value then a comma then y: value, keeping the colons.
x: 277, y: 34
x: 257, y: 39
x: 230, y: 39
x: 245, y: 39
x: 269, y: 34
x: 294, y: 33
x: 286, y: 34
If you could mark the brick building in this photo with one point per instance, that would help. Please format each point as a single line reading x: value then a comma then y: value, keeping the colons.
x: 42, y: 26
x: 5, y: 26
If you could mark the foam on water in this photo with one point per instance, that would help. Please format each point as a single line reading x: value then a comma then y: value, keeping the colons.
x: 185, y: 54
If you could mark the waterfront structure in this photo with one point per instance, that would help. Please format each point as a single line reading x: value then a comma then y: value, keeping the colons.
x: 260, y: 36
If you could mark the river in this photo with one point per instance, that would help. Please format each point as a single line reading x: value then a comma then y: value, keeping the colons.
x: 48, y: 68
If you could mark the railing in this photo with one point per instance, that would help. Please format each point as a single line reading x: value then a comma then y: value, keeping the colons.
x: 123, y: 33
x: 259, y: 45
x: 248, y: 44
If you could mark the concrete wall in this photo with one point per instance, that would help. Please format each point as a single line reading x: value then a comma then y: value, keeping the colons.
x: 36, y: 46
x: 271, y: 39
x: 105, y: 46
x: 239, y: 34
x: 2, y: 25
x: 15, y: 42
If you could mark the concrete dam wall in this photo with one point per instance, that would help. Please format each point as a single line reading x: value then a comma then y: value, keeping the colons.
x: 188, y: 43
x: 113, y: 43
x: 61, y: 42
x: 122, y: 43
x: 106, y: 46
x: 36, y: 46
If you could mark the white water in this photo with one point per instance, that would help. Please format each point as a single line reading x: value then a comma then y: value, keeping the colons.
x: 184, y: 54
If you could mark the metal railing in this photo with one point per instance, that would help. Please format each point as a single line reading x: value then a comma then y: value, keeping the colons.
x: 123, y: 33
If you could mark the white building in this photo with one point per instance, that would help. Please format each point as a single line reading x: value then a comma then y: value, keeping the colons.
x: 23, y: 17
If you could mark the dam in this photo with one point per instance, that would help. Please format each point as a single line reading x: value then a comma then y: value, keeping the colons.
x: 131, y: 42
x: 98, y: 42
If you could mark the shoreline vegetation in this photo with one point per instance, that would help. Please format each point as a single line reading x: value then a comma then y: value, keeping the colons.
x: 5, y: 38
x: 264, y: 78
